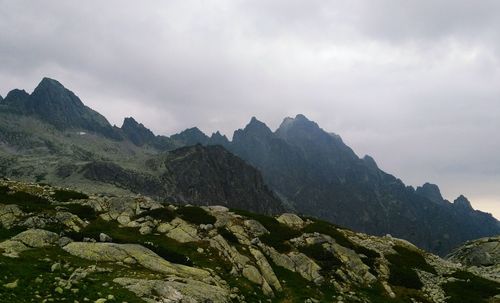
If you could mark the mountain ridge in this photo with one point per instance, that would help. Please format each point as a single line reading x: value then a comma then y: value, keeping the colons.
x: 312, y: 171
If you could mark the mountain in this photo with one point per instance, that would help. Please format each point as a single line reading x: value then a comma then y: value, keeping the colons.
x: 53, y: 103
x: 316, y: 173
x: 193, y: 175
x: 136, y: 132
x: 64, y: 245
x: 50, y: 136
x: 312, y: 171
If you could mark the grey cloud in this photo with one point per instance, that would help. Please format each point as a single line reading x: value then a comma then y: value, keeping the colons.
x: 413, y: 83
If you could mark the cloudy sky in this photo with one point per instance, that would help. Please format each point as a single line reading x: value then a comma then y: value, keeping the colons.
x: 415, y: 84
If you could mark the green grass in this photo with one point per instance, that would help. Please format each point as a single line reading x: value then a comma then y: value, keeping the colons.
x: 30, y: 266
x: 297, y: 289
x: 402, y: 267
x: 195, y: 215
x: 68, y: 195
x: 377, y: 294
x: 470, y: 288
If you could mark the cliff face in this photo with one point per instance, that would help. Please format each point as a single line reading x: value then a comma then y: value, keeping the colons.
x: 199, y: 175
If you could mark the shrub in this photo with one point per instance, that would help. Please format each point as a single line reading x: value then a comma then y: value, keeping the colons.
x: 326, y: 228
x: 325, y: 259
x: 163, y: 214
x: 470, y: 288
x: 68, y: 195
x: 226, y: 234
x: 83, y: 211
x: 195, y: 215
x: 402, y: 267
x: 26, y: 201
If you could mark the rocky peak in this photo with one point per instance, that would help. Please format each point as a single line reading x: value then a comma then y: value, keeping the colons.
x: 137, y: 132
x: 258, y: 127
x: 295, y: 125
x: 431, y: 192
x: 255, y: 129
x: 191, y: 136
x: 370, y: 162
x: 219, y: 139
x: 60, y: 107
x: 463, y: 203
x: 16, y: 97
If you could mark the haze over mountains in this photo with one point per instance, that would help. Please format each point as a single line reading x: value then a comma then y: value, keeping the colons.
x: 51, y: 136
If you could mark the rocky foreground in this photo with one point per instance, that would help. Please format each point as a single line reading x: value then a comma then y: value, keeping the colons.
x: 59, y: 245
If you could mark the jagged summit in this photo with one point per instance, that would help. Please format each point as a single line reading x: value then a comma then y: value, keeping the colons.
x: 57, y: 105
x: 219, y: 139
x: 431, y: 192
x: 463, y: 203
x: 190, y: 136
x: 137, y: 132
x: 257, y: 126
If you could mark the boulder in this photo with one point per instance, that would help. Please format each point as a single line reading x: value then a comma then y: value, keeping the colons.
x: 183, y: 231
x: 291, y: 220
x: 178, y: 290
x: 255, y: 227
x: 9, y: 215
x: 105, y: 238
x: 36, y: 238
x: 70, y: 220
x: 481, y: 252
x: 130, y: 253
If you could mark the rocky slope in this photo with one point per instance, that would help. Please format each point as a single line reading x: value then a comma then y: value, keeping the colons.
x: 64, y: 246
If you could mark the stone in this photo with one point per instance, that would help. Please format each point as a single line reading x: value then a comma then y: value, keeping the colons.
x: 292, y: 220
x: 9, y: 215
x: 252, y: 273
x: 206, y: 227
x: 164, y: 227
x: 296, y: 262
x: 266, y: 269
x: 178, y: 290
x: 70, y: 220
x: 112, y: 252
x: 105, y: 238
x: 36, y: 238
x: 480, y: 252
x: 145, y: 230
x: 183, y: 231
x: 255, y: 227
x: 63, y: 241
x: 11, y: 285
x: 55, y: 267
x: 240, y: 233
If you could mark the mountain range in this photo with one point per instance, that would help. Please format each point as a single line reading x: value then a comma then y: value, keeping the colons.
x: 51, y: 136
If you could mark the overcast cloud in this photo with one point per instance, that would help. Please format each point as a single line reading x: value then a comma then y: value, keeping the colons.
x: 415, y: 84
